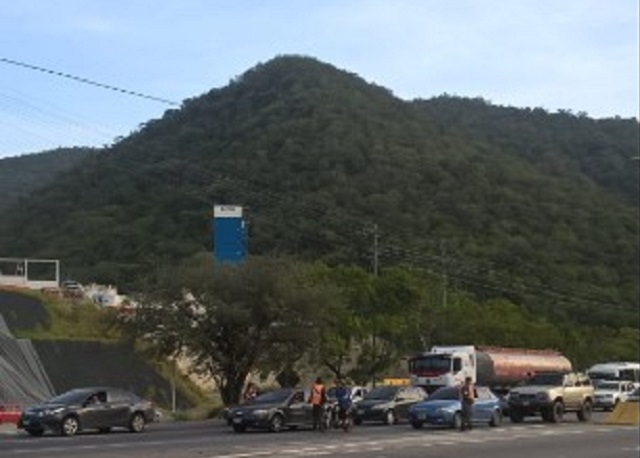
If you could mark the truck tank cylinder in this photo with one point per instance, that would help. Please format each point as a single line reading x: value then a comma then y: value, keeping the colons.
x: 508, y: 367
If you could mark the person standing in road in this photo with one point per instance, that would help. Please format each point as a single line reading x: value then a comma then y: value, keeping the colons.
x: 467, y: 397
x: 317, y: 399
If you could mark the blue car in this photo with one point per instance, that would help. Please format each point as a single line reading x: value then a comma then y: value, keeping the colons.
x: 444, y: 407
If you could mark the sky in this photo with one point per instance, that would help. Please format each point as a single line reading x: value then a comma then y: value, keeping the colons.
x: 577, y: 55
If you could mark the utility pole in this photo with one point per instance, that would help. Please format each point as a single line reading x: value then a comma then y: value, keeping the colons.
x: 375, y: 250
x: 443, y: 256
x: 375, y: 274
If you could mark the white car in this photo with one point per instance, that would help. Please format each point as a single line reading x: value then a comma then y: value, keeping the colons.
x: 609, y: 393
x: 634, y: 396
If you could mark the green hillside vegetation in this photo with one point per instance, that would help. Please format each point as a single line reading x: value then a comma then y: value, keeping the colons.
x: 326, y: 163
x: 595, y: 152
x: 298, y: 320
x: 22, y: 176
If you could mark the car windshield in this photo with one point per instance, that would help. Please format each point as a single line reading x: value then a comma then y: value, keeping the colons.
x: 383, y: 393
x: 608, y: 386
x: 445, y: 393
x: 273, y: 397
x: 546, y: 379
x: 70, y: 397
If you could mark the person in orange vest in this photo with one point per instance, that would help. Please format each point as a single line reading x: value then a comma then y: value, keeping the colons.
x: 317, y: 399
x: 467, y: 398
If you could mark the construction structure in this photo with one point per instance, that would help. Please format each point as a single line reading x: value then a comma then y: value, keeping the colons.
x: 229, y: 234
x: 30, y: 273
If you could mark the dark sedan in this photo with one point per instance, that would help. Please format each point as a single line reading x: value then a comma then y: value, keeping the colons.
x: 388, y: 404
x: 274, y: 411
x: 88, y: 408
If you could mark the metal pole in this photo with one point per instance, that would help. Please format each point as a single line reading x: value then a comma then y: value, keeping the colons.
x: 443, y: 255
x: 173, y: 389
x: 375, y: 250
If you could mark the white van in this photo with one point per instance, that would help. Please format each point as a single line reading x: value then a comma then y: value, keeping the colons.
x: 619, y: 371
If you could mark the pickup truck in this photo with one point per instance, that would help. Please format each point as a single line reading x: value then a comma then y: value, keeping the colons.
x: 551, y: 395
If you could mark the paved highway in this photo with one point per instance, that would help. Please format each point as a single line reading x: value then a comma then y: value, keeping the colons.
x: 213, y: 439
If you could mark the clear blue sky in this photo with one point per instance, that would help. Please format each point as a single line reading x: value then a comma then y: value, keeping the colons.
x: 579, y: 55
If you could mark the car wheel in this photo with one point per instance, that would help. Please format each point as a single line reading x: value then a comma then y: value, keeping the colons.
x: 456, y: 423
x: 35, y: 432
x: 417, y: 424
x: 69, y: 426
x: 239, y: 428
x: 137, y: 423
x: 389, y: 418
x: 276, y: 423
x: 496, y: 419
x: 515, y: 415
x: 584, y: 414
x: 557, y: 412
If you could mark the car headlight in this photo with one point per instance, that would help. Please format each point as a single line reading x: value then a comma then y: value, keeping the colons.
x: 55, y: 411
x: 442, y: 410
x: 260, y: 413
x: 543, y: 396
x: 379, y: 407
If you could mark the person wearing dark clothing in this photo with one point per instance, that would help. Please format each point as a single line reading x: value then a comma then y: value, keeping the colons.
x: 467, y: 398
x: 344, y: 402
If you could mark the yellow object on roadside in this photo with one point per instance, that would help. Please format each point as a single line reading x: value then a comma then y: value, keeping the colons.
x: 625, y: 413
x: 396, y: 381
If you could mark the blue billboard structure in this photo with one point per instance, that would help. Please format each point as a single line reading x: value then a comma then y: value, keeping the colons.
x: 229, y: 234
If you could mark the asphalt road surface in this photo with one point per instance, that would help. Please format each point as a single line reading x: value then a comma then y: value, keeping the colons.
x: 213, y: 439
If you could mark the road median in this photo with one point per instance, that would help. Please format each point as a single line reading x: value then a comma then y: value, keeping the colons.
x: 625, y: 413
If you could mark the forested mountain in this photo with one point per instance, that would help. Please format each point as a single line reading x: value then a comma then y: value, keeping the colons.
x: 603, y: 151
x: 535, y: 206
x: 22, y: 175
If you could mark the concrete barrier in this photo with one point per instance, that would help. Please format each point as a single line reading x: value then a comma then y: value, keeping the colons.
x: 625, y: 413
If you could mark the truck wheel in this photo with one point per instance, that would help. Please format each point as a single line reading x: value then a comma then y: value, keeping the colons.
x: 515, y: 415
x: 584, y: 414
x: 557, y: 412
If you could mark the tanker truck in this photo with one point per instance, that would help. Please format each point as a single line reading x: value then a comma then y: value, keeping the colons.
x: 495, y: 367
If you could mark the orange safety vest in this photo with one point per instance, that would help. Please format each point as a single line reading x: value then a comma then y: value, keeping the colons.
x: 317, y: 394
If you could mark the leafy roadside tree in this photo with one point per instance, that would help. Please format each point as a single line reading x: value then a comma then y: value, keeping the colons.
x: 230, y: 319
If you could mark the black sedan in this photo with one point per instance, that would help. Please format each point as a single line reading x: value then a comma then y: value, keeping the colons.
x: 88, y: 408
x: 388, y: 404
x: 285, y: 408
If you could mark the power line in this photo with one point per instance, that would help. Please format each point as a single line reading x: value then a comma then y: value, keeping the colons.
x: 88, y: 81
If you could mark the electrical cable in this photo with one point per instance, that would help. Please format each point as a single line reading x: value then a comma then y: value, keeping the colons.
x: 88, y: 81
